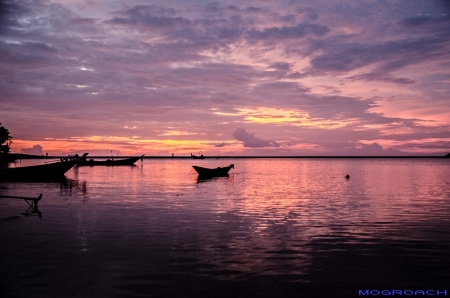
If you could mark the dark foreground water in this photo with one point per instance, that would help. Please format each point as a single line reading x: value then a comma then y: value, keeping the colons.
x: 273, y: 228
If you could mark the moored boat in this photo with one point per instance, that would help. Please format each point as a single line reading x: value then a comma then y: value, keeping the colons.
x: 213, y: 172
x: 109, y: 162
x: 38, y: 172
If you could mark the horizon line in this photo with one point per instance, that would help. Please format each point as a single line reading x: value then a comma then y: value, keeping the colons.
x: 28, y: 156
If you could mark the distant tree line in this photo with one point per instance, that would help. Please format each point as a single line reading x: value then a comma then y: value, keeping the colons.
x: 5, y: 140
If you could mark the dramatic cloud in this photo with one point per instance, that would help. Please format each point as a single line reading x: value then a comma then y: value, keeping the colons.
x: 251, y: 141
x: 35, y: 150
x: 183, y: 76
x: 220, y: 144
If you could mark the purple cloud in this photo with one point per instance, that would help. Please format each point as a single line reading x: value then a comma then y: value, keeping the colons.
x: 90, y: 72
x: 369, y: 77
x: 251, y: 141
x: 220, y: 144
x: 151, y: 15
x: 35, y: 150
x: 288, y: 32
x: 308, y: 12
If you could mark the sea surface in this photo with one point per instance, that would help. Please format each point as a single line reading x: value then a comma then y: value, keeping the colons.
x: 272, y: 228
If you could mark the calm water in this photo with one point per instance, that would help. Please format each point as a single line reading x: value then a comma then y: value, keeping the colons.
x: 273, y: 228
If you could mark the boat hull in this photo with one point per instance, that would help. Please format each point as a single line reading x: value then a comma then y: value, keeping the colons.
x: 110, y: 162
x: 215, y: 172
x: 38, y: 172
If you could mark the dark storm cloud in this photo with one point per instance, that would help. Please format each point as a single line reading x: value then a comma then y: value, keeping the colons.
x: 308, y: 12
x: 389, y: 46
x: 252, y: 9
x: 28, y: 54
x: 236, y: 9
x: 369, y: 77
x: 151, y: 15
x: 282, y: 85
x: 425, y: 21
x: 44, y: 22
x: 298, y: 96
x: 390, y: 55
x: 232, y: 8
x: 223, y: 144
x: 280, y: 66
x: 9, y: 10
x: 251, y: 141
x: 288, y: 32
x: 193, y: 34
x: 212, y: 7
x: 286, y: 18
x: 83, y: 21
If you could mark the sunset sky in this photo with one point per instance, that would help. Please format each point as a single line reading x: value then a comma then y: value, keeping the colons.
x: 303, y: 77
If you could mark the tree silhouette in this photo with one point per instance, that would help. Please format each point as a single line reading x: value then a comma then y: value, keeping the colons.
x: 5, y: 139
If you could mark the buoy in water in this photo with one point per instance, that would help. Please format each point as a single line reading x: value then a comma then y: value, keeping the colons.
x: 347, y: 177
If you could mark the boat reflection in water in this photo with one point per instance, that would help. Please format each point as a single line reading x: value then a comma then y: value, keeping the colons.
x: 201, y: 179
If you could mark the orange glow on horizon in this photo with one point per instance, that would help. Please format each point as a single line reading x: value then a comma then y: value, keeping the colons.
x: 126, y: 145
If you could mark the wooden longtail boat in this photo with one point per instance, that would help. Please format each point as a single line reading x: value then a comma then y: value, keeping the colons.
x: 110, y: 162
x: 216, y: 172
x: 45, y: 171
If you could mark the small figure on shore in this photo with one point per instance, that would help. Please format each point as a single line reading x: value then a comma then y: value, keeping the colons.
x: 172, y: 155
x: 347, y: 177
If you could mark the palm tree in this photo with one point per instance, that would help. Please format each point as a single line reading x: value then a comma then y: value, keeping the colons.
x: 5, y: 139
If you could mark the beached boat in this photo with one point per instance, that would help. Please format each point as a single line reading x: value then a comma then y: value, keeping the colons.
x: 215, y: 172
x: 38, y: 172
x: 109, y: 162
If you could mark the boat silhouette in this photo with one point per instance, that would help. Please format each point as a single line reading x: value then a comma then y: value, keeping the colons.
x: 213, y: 172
